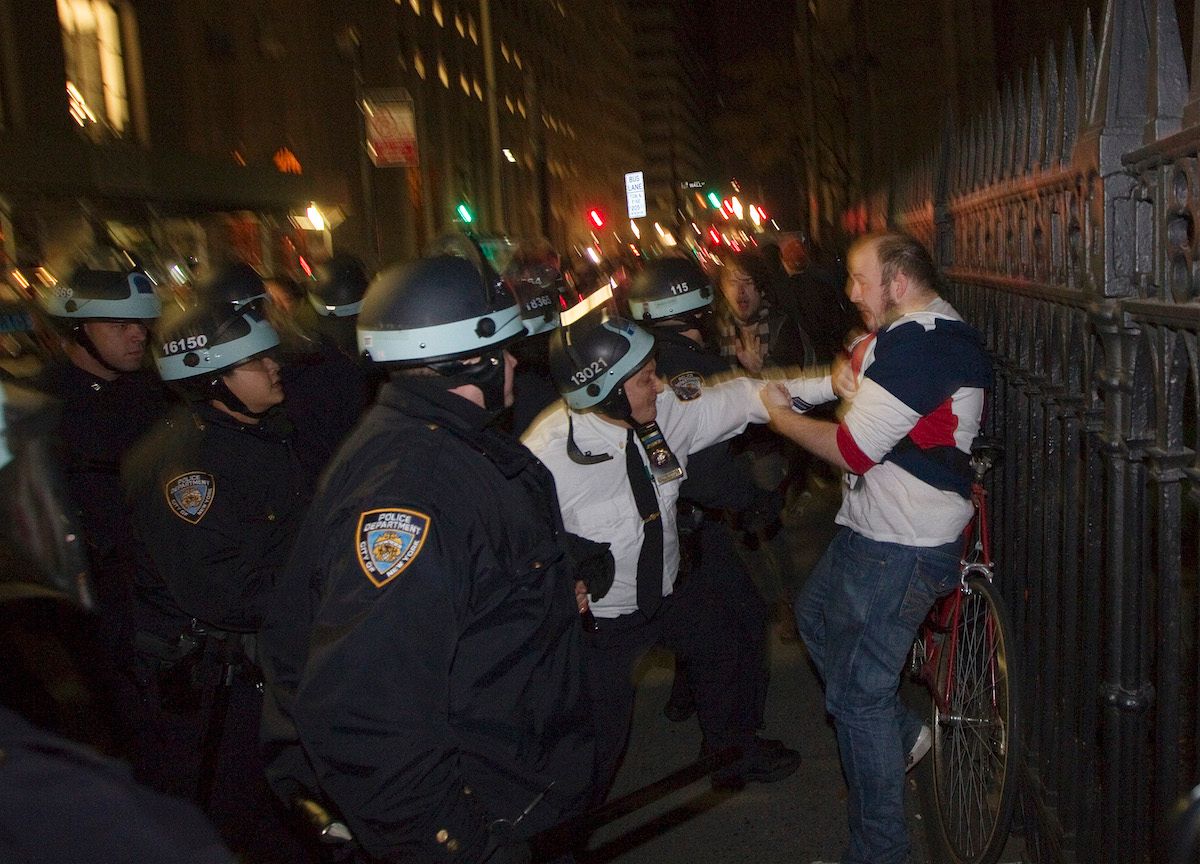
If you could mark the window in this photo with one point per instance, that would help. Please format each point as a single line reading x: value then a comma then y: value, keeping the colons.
x: 96, y: 90
x: 437, y: 14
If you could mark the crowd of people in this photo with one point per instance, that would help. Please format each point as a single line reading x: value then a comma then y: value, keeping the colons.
x: 362, y: 567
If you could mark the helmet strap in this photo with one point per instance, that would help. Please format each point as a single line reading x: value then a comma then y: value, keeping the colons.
x: 84, y: 341
x: 220, y: 391
x: 487, y: 375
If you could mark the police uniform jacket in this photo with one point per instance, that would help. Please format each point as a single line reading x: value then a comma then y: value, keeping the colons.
x: 215, y: 505
x: 100, y: 421
x: 596, y: 499
x: 716, y: 478
x: 427, y: 652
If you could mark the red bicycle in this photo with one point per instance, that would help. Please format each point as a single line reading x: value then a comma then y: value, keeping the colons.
x: 964, y: 655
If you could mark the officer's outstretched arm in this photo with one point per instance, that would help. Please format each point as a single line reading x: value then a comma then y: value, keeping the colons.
x: 372, y: 709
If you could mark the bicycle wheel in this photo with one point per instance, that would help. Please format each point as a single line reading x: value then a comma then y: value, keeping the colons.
x: 974, y: 766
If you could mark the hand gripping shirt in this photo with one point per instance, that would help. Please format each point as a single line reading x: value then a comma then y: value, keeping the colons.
x: 596, y: 499
x: 909, y: 428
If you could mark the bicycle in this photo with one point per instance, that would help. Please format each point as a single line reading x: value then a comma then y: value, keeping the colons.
x: 963, y: 654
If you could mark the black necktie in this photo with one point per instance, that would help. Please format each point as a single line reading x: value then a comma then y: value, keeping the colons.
x: 650, y: 559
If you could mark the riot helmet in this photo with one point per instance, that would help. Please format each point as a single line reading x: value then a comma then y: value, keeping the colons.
x: 200, y: 346
x: 592, y: 357
x: 441, y: 312
x: 670, y: 288
x: 105, y: 296
x: 338, y: 289
x: 235, y: 283
x: 538, y: 287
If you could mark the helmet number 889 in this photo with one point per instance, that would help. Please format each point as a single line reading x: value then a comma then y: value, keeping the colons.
x: 587, y: 373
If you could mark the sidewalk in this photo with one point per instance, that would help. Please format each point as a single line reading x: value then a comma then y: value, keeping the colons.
x: 794, y: 821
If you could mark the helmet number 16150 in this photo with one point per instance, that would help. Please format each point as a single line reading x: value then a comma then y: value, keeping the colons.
x: 190, y: 343
x: 587, y: 373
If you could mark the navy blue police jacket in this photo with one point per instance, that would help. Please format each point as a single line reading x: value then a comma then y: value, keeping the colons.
x: 715, y: 479
x: 100, y: 421
x: 424, y: 660
x: 215, y: 505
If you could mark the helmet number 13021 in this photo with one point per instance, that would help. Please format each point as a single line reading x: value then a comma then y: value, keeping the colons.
x: 587, y: 373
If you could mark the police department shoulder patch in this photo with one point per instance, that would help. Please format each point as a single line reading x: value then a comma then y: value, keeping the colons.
x: 688, y: 386
x: 190, y: 495
x: 388, y: 540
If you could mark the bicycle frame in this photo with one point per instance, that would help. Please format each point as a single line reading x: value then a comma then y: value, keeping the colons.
x: 943, y: 619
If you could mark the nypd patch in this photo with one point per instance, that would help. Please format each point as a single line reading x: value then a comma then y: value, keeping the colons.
x: 688, y: 386
x: 388, y: 541
x: 190, y: 495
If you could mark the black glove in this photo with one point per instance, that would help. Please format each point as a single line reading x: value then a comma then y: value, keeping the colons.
x: 592, y: 563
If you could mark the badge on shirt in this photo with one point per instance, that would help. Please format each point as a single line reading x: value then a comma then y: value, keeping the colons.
x: 687, y: 386
x: 388, y: 541
x: 190, y: 495
x: 664, y: 466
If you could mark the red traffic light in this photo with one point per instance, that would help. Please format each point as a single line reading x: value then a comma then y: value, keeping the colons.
x: 597, y: 218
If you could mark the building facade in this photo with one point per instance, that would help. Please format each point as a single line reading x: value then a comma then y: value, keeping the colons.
x: 214, y: 128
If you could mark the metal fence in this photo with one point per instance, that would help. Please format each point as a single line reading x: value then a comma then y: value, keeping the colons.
x: 1065, y: 220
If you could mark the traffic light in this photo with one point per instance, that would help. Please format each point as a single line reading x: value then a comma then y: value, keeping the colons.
x: 464, y: 212
x: 714, y: 200
x: 596, y: 217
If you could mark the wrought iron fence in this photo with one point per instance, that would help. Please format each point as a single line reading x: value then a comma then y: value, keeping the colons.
x: 1065, y: 218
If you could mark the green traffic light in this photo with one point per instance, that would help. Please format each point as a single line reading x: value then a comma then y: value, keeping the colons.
x: 464, y: 213
x: 714, y: 200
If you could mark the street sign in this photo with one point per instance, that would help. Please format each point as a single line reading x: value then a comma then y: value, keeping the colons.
x: 391, y: 128
x: 635, y: 194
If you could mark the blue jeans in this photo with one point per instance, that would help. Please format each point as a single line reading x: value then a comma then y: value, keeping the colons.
x: 858, y: 614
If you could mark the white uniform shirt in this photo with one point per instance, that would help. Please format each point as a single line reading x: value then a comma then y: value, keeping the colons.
x: 597, y: 501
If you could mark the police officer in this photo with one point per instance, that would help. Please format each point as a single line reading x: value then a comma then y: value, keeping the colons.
x: 618, y: 449
x: 537, y: 283
x: 327, y: 385
x: 63, y: 797
x: 673, y: 298
x: 216, y: 494
x: 424, y: 658
x: 103, y: 319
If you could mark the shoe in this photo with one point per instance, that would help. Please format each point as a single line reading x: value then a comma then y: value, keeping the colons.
x: 919, y: 748
x: 759, y: 763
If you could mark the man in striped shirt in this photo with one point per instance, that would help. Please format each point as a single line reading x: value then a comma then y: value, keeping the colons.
x: 904, y: 442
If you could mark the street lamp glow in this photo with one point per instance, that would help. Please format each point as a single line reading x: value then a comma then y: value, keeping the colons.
x: 315, y: 217
x: 738, y: 210
x: 755, y: 216
x: 508, y: 154
x: 637, y: 232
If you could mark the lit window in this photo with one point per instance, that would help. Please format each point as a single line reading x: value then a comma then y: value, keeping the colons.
x: 504, y: 51
x: 517, y: 60
x: 508, y: 103
x: 477, y: 88
x: 443, y: 75
x: 419, y: 64
x: 416, y: 5
x: 521, y: 108
x: 471, y: 28
x: 458, y: 24
x: 437, y: 13
x: 463, y: 83
x: 91, y: 34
